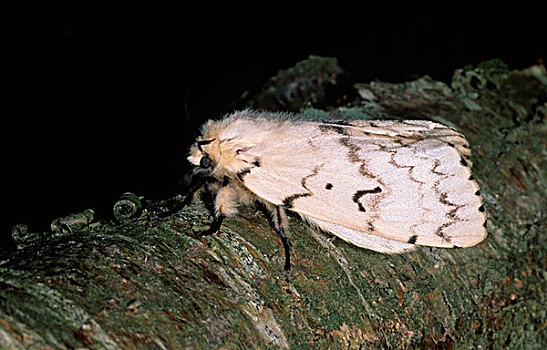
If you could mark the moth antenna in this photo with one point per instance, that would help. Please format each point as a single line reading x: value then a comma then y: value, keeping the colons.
x: 187, y: 115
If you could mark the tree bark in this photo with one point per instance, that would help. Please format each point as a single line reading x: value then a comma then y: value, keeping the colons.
x: 148, y: 283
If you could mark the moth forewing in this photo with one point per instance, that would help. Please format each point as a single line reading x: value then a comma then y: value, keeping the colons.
x: 381, y: 185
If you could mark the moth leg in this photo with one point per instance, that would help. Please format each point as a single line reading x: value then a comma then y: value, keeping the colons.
x: 281, y: 224
x: 286, y: 247
x: 197, y: 184
x: 215, y: 226
x: 224, y: 206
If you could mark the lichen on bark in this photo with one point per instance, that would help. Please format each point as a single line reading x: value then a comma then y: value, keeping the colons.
x: 148, y: 283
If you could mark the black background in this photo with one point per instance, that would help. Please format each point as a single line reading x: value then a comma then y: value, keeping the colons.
x: 96, y: 90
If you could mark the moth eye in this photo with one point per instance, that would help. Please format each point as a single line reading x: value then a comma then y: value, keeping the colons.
x: 205, y: 162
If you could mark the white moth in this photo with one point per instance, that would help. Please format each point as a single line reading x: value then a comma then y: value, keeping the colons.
x: 381, y: 185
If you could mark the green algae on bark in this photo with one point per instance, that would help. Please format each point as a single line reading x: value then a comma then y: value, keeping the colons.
x: 316, y: 81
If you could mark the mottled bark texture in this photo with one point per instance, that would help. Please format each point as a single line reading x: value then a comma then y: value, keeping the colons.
x: 149, y: 284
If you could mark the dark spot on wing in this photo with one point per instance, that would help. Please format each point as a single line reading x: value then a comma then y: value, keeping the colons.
x: 242, y: 173
x: 334, y: 128
x: 412, y: 240
x: 436, y: 164
x: 471, y: 178
x: 328, y: 186
x: 288, y: 201
x: 359, y: 205
x: 256, y: 163
x: 313, y: 173
x: 481, y: 208
x: 478, y: 193
x: 450, y: 144
x: 352, y: 149
x: 363, y: 170
x: 445, y: 201
x: 463, y: 162
x: 341, y: 122
x: 371, y: 227
x: 439, y: 232
x: 484, y: 224
x: 452, y: 214
x: 357, y: 195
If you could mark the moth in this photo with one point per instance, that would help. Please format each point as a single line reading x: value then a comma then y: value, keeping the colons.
x: 383, y: 185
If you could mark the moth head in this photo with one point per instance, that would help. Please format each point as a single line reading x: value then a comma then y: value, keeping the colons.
x: 202, y: 154
x: 225, y: 148
x: 220, y: 158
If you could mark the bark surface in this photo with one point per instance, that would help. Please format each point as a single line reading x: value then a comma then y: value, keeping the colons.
x: 148, y: 283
